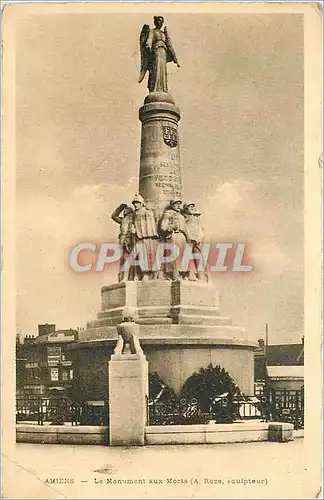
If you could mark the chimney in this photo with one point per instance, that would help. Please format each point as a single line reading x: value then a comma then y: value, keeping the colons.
x: 261, y: 343
x: 28, y: 339
x: 46, y: 329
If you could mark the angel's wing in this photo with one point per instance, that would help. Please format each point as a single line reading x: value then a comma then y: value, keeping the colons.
x: 171, y: 55
x: 145, y: 51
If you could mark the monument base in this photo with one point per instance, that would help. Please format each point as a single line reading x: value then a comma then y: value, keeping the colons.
x: 175, y: 352
x: 180, y: 331
x: 160, y: 302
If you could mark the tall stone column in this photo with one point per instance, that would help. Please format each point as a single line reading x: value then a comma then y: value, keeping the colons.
x: 160, y: 175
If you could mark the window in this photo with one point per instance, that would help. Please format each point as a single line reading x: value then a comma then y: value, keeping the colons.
x: 54, y: 374
x: 53, y: 352
x: 65, y: 375
x: 33, y: 357
x: 71, y: 374
x: 32, y: 374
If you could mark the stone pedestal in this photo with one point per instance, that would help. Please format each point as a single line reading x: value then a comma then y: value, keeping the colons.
x: 160, y: 177
x: 161, y: 301
x: 281, y: 432
x: 180, y: 330
x: 128, y: 392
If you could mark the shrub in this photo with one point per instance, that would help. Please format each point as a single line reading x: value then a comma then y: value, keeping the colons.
x: 206, y: 386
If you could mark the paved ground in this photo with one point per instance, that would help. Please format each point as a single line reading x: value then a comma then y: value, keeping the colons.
x: 245, y: 470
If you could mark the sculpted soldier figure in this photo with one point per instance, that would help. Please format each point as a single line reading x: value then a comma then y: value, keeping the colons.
x: 195, y: 233
x: 172, y: 229
x: 156, y: 51
x: 122, y: 216
x: 137, y: 225
x: 145, y: 232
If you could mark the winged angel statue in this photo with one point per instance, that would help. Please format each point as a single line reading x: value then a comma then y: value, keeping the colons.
x: 156, y: 52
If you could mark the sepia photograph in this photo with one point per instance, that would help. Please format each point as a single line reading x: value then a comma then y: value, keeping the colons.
x: 161, y: 329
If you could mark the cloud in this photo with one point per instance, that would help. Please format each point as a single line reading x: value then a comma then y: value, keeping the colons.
x: 269, y: 218
x: 241, y: 137
x: 238, y: 211
x: 47, y: 228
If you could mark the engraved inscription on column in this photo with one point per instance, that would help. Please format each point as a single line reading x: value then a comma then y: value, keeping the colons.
x: 168, y: 178
x: 160, y: 178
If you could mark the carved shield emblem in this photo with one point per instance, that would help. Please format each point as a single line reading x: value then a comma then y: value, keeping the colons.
x: 170, y: 136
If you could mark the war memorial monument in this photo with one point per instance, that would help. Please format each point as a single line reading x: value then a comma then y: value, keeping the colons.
x: 174, y: 316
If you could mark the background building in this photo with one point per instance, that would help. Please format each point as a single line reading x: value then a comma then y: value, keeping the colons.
x: 281, y: 366
x: 44, y: 362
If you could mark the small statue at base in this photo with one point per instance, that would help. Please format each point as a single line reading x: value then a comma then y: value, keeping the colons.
x: 128, y: 331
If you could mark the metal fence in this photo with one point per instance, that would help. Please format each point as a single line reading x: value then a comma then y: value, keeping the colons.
x: 61, y: 410
x: 282, y: 406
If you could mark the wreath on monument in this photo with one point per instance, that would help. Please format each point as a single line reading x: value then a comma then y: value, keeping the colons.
x: 163, y: 402
x: 159, y: 391
x: 215, y: 392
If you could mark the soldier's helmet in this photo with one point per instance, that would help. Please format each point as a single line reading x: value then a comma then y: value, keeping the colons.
x: 188, y: 204
x: 176, y: 200
x: 138, y: 198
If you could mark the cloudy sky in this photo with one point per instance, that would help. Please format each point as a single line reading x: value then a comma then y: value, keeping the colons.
x: 240, y: 91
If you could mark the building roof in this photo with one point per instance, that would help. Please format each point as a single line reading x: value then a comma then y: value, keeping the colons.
x: 282, y: 355
x: 286, y: 372
x: 58, y: 336
x: 285, y: 355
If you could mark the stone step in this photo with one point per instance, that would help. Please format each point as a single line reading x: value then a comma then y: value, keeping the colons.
x: 172, y: 333
x: 188, y: 319
x: 162, y: 311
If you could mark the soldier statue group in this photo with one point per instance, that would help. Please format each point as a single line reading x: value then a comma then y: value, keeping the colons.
x: 179, y: 226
